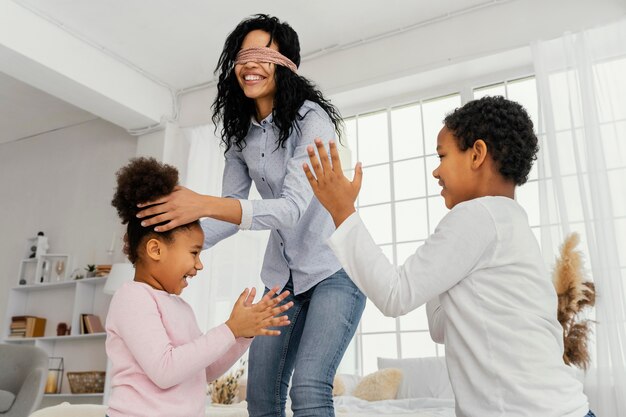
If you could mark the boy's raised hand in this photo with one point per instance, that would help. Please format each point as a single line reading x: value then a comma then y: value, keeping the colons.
x: 249, y: 320
x: 331, y: 187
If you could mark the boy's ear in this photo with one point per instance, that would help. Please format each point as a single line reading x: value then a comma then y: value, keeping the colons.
x: 154, y: 248
x: 479, y: 153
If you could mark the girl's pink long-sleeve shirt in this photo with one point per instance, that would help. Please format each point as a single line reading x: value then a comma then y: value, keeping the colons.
x: 161, y: 361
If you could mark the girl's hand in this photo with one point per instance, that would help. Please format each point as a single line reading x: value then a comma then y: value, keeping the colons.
x: 249, y: 320
x: 331, y: 187
x: 180, y: 207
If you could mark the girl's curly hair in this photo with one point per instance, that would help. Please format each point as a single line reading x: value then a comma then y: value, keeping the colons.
x: 143, y: 179
x: 505, y: 127
x: 234, y: 110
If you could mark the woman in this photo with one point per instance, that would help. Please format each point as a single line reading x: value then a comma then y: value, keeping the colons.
x: 269, y: 114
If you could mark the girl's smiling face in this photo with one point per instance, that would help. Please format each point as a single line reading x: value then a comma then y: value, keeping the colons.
x: 180, y: 259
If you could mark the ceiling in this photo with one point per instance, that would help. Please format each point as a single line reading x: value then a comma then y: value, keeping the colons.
x: 162, y: 47
x: 179, y: 42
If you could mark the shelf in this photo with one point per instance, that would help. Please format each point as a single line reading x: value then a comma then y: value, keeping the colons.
x: 58, y: 284
x: 56, y: 338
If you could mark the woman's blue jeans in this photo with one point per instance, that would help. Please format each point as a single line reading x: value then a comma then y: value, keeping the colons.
x: 323, y: 321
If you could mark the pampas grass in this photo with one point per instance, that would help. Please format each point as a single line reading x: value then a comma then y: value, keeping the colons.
x: 575, y: 294
x: 224, y: 389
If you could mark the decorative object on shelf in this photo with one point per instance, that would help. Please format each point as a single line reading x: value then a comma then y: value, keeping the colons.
x: 103, y: 270
x: 63, y: 329
x: 90, y: 323
x: 91, y: 271
x: 224, y: 389
x: 77, y: 274
x: 40, y: 270
x: 119, y: 274
x: 36, y: 246
x: 59, y: 268
x: 27, y: 326
x: 55, y: 375
x: 89, y: 382
x: 575, y: 295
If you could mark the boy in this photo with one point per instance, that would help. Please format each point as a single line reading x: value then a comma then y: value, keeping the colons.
x: 491, y: 298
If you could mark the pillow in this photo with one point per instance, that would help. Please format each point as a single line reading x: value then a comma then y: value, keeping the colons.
x: 423, y: 377
x: 344, y: 384
x: 6, y: 400
x: 380, y: 385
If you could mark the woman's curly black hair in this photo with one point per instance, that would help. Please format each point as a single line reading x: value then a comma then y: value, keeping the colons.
x: 143, y: 179
x: 505, y: 127
x: 234, y: 110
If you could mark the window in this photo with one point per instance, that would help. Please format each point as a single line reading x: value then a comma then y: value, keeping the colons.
x: 400, y: 202
x: 401, y: 205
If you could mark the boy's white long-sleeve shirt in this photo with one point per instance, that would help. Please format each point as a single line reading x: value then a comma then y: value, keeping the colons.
x: 497, y: 311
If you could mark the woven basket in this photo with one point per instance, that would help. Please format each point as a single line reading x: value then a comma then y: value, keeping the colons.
x: 90, y: 382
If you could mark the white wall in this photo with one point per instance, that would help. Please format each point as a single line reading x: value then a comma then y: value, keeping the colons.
x: 62, y: 183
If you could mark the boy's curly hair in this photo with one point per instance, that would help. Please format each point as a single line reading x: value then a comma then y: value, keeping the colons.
x: 142, y: 180
x: 505, y: 127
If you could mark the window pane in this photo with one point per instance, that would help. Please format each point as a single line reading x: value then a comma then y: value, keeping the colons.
x: 490, y: 90
x: 524, y: 91
x: 564, y: 91
x: 408, y: 177
x: 434, y: 112
x: 415, y: 320
x: 410, y: 224
x: 616, y: 183
x: 374, y: 321
x: 417, y: 345
x: 432, y: 183
x: 609, y: 78
x: 613, y: 144
x: 620, y: 236
x: 377, y: 219
x: 375, y: 346
x: 373, y: 143
x: 528, y: 197
x: 404, y: 250
x: 436, y: 211
x: 375, y: 186
x: 350, y: 132
x: 406, y: 132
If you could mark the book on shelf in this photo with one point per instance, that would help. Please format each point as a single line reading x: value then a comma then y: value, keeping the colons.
x: 27, y: 326
x: 90, y: 323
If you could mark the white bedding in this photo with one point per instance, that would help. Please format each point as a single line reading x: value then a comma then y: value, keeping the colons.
x: 347, y: 406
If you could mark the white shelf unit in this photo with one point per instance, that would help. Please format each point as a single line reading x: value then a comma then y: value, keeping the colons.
x: 64, y: 301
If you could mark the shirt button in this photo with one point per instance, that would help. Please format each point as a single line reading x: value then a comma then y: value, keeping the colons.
x: 281, y: 243
x: 262, y: 179
x: 262, y: 154
x: 263, y: 130
x: 264, y: 122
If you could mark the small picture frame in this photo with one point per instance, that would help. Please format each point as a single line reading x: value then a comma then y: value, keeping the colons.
x: 28, y: 271
x: 52, y: 267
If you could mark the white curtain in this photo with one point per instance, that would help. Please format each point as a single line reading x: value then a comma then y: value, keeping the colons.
x: 231, y: 265
x: 581, y: 84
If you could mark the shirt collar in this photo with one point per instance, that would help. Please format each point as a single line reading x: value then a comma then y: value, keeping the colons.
x: 268, y: 120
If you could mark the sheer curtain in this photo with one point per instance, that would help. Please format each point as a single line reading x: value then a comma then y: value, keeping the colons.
x: 581, y: 83
x: 231, y: 265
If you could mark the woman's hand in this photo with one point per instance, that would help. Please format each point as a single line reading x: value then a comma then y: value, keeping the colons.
x: 331, y: 187
x: 249, y: 320
x: 180, y: 207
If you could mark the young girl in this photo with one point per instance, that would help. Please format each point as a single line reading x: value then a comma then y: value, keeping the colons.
x: 491, y: 298
x: 161, y: 362
x: 269, y: 115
